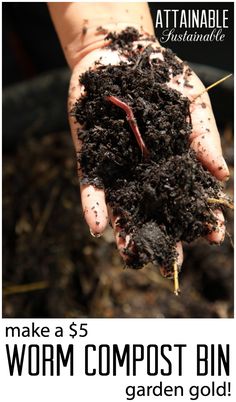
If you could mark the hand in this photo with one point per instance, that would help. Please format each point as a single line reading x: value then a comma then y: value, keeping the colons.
x: 205, y: 140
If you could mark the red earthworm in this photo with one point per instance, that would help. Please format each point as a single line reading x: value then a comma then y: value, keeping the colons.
x: 132, y: 122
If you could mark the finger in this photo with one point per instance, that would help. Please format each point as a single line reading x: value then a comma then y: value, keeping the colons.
x: 180, y: 257
x: 218, y: 235
x: 94, y: 208
x: 180, y: 254
x: 122, y: 241
x: 210, y: 156
x: 205, y: 138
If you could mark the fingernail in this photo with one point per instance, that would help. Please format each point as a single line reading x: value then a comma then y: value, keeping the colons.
x: 227, y: 178
x: 95, y: 234
x: 223, y: 166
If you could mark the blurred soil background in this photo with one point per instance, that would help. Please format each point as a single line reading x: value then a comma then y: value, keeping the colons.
x: 52, y: 266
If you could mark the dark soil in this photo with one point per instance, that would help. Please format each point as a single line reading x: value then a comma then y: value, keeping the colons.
x: 161, y: 196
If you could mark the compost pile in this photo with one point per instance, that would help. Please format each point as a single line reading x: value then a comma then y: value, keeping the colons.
x: 159, y: 191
